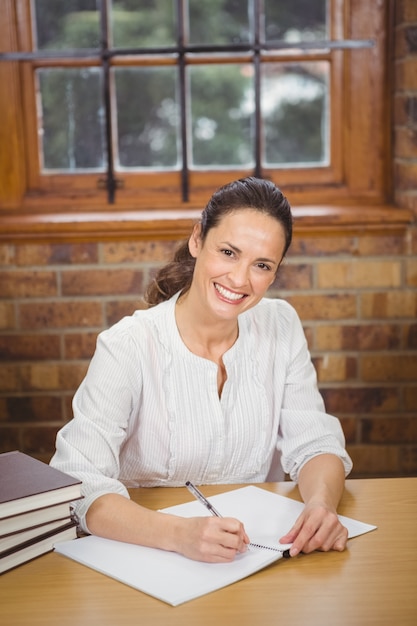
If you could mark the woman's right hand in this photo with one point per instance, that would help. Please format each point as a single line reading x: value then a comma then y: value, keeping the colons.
x: 211, y: 539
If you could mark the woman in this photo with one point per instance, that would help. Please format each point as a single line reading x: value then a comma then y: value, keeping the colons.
x: 208, y: 385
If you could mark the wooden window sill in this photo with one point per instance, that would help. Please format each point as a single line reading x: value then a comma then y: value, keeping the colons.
x: 154, y: 225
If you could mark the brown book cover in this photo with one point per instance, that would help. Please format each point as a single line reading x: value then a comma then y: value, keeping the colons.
x: 28, y: 484
x: 36, y: 547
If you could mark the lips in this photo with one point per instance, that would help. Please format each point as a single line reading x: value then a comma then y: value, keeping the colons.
x: 229, y: 295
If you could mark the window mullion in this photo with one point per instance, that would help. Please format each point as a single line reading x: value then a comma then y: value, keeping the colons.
x: 257, y: 85
x: 110, y: 182
x: 183, y: 99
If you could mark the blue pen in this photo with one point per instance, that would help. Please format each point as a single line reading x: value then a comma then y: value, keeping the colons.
x: 201, y: 498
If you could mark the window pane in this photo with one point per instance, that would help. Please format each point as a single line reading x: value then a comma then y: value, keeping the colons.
x: 218, y: 21
x: 222, y: 105
x: 143, y: 23
x: 147, y: 117
x: 295, y: 20
x: 294, y: 102
x: 66, y: 24
x: 71, y: 118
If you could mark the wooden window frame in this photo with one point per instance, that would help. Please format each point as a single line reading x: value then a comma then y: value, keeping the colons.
x: 356, y: 194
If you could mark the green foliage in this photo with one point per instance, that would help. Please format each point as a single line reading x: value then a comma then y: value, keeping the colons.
x: 220, y: 96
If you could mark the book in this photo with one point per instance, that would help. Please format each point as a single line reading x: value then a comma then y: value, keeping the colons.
x: 28, y: 484
x: 14, y: 540
x: 36, y: 547
x: 173, y: 578
x: 23, y: 521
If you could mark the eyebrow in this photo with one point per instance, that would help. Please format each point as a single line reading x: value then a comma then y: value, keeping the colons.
x: 259, y: 260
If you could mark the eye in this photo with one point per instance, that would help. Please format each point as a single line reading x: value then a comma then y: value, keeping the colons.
x: 227, y: 252
x: 264, y: 267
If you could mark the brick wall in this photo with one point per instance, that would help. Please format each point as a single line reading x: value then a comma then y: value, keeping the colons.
x: 356, y: 295
x: 405, y: 103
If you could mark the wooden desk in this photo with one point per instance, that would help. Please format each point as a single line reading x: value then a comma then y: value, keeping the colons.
x: 373, y: 582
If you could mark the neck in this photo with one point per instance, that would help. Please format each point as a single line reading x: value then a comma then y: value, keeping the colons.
x: 202, y: 334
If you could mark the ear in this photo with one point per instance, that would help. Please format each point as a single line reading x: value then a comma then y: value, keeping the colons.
x: 194, y: 242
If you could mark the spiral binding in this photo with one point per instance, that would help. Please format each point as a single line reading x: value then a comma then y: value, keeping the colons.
x: 285, y: 553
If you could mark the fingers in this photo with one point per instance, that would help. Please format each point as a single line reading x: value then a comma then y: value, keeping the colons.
x: 214, y: 540
x: 317, y: 528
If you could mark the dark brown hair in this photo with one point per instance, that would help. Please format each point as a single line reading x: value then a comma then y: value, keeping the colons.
x: 245, y: 193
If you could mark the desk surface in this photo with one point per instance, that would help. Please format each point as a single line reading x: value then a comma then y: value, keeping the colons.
x: 373, y: 582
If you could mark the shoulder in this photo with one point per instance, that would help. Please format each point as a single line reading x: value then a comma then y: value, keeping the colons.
x: 274, y: 319
x: 273, y: 311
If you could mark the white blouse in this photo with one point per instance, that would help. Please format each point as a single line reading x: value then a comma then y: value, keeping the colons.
x: 148, y: 412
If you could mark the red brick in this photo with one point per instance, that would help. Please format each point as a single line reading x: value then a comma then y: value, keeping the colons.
x: 7, y: 315
x: 24, y: 284
x: 7, y: 254
x: 408, y: 456
x: 391, y: 304
x: 40, y: 440
x: 115, y: 310
x: 405, y: 109
x: 406, y: 74
x: 386, y: 245
x: 9, y: 377
x: 410, y: 336
x: 410, y: 398
x: 358, y: 337
x: 405, y: 175
x: 374, y: 461
x: 79, y: 345
x: 357, y: 274
x: 67, y: 401
x: 413, y: 240
x: 407, y: 200
x: 56, y: 254
x: 350, y: 428
x: 405, y: 143
x: 33, y: 409
x: 321, y: 246
x: 290, y: 276
x: 392, y: 429
x: 335, y: 368
x: 29, y: 347
x: 324, y: 307
x: 138, y: 251
x: 411, y: 272
x: 61, y: 314
x: 309, y: 335
x: 10, y: 439
x: 360, y: 400
x: 52, y: 376
x: 101, y: 282
x: 389, y: 367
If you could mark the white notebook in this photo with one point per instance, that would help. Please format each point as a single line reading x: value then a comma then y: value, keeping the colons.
x: 175, y: 579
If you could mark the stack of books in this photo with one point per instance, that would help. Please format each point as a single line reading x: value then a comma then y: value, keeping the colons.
x: 35, y: 509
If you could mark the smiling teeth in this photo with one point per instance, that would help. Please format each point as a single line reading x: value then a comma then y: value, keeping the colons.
x: 229, y: 294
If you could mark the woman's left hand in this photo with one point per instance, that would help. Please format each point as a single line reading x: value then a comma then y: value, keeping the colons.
x: 317, y: 528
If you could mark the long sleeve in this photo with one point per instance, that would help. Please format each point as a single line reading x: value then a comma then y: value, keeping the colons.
x: 148, y: 412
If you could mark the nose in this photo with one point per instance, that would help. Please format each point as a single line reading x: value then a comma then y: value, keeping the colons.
x: 239, y: 275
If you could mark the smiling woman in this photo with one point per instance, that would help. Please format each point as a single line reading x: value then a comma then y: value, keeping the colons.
x: 210, y: 384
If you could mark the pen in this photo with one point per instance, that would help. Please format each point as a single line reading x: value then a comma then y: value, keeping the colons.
x: 197, y: 494
x: 201, y: 498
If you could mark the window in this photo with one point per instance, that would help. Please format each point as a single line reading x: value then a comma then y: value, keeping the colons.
x: 140, y: 104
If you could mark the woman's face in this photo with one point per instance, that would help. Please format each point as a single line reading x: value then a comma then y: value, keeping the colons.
x: 237, y: 262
